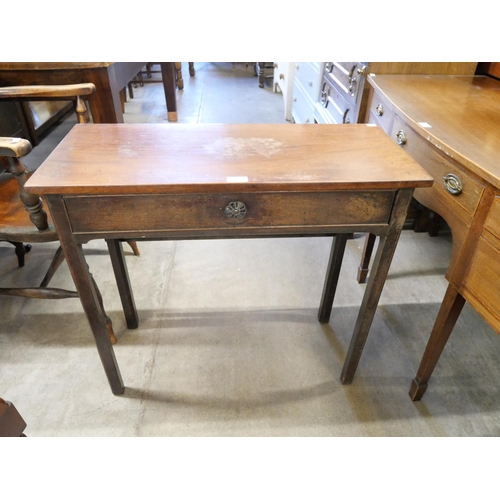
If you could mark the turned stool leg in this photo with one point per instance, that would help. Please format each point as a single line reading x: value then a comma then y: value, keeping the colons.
x: 21, y: 250
x: 178, y: 72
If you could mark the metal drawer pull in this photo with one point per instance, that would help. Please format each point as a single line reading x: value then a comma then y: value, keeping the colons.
x: 453, y: 184
x: 379, y: 110
x: 401, y: 138
x: 235, y: 210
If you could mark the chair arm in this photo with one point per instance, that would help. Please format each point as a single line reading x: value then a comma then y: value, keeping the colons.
x: 13, y: 147
x: 46, y: 91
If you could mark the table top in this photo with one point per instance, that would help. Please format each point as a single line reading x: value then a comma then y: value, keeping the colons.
x: 458, y: 114
x: 210, y: 158
x: 23, y: 66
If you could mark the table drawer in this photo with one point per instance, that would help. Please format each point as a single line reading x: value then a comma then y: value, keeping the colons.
x: 443, y: 170
x: 380, y: 112
x: 227, y: 211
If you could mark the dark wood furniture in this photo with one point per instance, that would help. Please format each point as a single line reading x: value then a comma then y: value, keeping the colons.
x: 233, y: 181
x: 451, y: 126
x: 262, y: 66
x: 179, y: 80
x: 22, y: 215
x: 11, y: 422
x: 109, y: 79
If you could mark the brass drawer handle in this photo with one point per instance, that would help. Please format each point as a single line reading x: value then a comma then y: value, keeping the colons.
x: 453, y: 184
x: 235, y: 210
x: 401, y: 138
x: 379, y: 110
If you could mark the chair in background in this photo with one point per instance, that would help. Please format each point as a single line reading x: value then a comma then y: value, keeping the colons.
x: 11, y: 422
x: 178, y: 72
x: 261, y: 70
x: 22, y: 216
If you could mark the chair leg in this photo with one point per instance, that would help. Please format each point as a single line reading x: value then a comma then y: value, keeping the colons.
x: 191, y: 69
x: 134, y: 247
x: 21, y: 249
x: 178, y: 73
x: 54, y: 266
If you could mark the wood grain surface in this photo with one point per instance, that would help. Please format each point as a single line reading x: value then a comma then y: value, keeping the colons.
x: 160, y: 158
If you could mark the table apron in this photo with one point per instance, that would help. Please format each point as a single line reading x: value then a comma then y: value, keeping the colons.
x: 267, y: 232
x: 229, y: 214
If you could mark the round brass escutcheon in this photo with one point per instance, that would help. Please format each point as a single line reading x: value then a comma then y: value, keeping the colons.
x: 235, y: 210
x: 379, y: 110
x: 401, y: 138
x: 453, y: 184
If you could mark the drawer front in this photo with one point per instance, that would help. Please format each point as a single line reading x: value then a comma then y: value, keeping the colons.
x: 335, y: 105
x: 380, y: 112
x: 348, y: 77
x: 226, y: 211
x: 444, y: 172
x: 309, y: 77
x: 482, y: 282
x: 302, y: 105
x: 493, y: 220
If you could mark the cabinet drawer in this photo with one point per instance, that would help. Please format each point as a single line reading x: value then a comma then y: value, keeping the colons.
x: 493, y: 220
x: 442, y: 170
x: 302, y: 105
x: 232, y: 211
x: 483, y: 278
x: 334, y: 104
x: 309, y: 77
x: 348, y: 77
x: 382, y: 114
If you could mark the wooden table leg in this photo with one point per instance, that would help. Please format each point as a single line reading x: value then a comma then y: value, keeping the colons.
x: 376, y: 281
x: 168, y: 77
x: 450, y: 310
x: 364, y: 265
x: 105, y: 103
x: 88, y: 293
x: 332, y: 277
x: 123, y: 282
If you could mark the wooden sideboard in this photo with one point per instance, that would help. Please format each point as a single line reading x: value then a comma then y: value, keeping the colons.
x: 451, y: 126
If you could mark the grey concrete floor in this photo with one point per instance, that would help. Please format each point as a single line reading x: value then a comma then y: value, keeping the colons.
x: 229, y: 343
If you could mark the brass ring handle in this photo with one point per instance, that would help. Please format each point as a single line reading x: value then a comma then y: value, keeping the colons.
x: 401, y: 138
x: 453, y: 184
x: 235, y: 210
x: 282, y: 76
x: 379, y: 110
